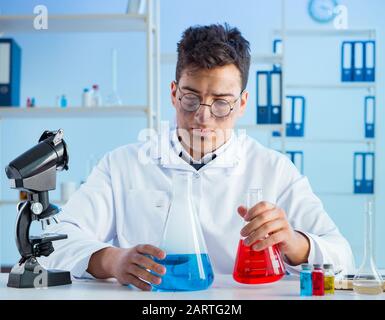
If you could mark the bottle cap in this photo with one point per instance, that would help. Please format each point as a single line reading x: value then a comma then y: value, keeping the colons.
x: 95, y: 86
x: 328, y: 266
x: 317, y: 266
x: 306, y: 266
x: 85, y: 90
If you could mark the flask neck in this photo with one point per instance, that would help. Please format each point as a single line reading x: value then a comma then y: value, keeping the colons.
x: 368, y: 242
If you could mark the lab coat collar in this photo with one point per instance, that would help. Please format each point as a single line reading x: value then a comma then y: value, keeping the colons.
x: 228, y: 155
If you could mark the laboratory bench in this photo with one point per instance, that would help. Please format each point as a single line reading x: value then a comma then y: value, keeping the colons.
x: 223, y: 288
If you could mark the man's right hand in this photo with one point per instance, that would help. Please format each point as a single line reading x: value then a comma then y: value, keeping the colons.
x: 129, y: 266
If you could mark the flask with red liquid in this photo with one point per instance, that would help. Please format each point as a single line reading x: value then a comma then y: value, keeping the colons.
x: 256, y: 267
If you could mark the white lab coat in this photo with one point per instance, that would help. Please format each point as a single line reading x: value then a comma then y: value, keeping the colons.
x: 124, y: 203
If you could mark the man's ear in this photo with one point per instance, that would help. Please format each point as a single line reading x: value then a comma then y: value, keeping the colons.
x: 244, y: 99
x: 173, y: 93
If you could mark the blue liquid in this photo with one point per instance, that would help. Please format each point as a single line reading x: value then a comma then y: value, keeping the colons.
x: 306, y: 284
x: 185, y: 272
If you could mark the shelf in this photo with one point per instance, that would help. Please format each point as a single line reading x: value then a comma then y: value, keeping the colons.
x: 325, y: 141
x: 370, y: 33
x: 268, y: 127
x: 15, y: 202
x: 340, y: 86
x: 343, y: 194
x: 71, y: 112
x: 76, y: 23
x: 171, y: 58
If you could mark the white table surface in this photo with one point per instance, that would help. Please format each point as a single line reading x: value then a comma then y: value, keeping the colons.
x: 223, y: 288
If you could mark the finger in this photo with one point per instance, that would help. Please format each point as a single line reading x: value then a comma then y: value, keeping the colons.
x: 138, y: 283
x: 151, y: 250
x: 148, y: 263
x: 267, y: 229
x: 258, y: 209
x: 242, y: 211
x: 258, y: 221
x: 143, y: 274
x: 271, y: 240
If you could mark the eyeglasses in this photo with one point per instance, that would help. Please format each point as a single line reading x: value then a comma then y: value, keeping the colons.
x: 219, y: 108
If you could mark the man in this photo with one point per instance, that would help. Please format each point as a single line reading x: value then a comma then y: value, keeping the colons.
x: 115, y: 219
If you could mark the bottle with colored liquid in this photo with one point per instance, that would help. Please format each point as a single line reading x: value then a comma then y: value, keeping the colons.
x: 188, y: 266
x: 255, y: 267
x: 306, y: 280
x: 329, y: 279
x: 318, y: 280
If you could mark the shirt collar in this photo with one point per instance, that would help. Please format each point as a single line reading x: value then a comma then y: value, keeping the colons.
x: 182, y: 152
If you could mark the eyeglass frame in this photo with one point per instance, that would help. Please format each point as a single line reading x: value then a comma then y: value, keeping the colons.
x: 232, y: 106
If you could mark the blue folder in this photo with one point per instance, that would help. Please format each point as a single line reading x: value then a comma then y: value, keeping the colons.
x: 347, y: 61
x: 370, y: 61
x: 359, y: 61
x: 297, y: 157
x: 277, y: 50
x: 364, y: 169
x: 263, y: 99
x: 275, y: 97
x: 10, y: 72
x: 370, y: 116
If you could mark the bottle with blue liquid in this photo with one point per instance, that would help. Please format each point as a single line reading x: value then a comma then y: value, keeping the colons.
x: 188, y: 266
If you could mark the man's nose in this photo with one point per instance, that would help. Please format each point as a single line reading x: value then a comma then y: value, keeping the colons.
x: 203, y: 113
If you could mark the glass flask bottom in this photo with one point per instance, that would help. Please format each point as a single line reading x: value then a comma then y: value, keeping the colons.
x: 257, y: 267
x: 185, y: 272
x: 369, y: 287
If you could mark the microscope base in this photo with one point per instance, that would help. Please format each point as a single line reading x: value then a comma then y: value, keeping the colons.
x: 23, y: 276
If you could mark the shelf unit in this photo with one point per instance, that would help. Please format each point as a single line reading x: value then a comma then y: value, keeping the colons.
x: 148, y: 23
x: 370, y: 87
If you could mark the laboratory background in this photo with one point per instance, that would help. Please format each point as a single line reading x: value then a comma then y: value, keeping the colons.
x: 94, y: 81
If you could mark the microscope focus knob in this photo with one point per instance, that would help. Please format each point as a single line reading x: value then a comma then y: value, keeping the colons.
x: 37, y: 208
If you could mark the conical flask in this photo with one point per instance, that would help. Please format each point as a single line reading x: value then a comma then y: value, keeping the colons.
x: 255, y: 267
x: 368, y: 280
x: 187, y: 263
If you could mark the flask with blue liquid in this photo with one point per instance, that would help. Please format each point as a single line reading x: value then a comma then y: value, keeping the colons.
x: 187, y: 263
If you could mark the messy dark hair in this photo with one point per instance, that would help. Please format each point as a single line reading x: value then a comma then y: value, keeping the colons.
x: 207, y: 47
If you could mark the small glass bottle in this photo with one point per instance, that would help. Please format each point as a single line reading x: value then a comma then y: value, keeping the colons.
x: 328, y: 279
x: 318, y: 280
x: 368, y: 280
x: 306, y: 280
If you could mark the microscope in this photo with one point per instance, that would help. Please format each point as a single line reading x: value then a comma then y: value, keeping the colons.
x: 35, y: 173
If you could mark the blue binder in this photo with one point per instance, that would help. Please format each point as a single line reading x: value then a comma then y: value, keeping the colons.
x: 359, y: 61
x: 10, y: 69
x: 370, y: 61
x: 295, y: 117
x: 370, y: 116
x: 347, y: 61
x: 277, y: 50
x: 296, y: 126
x: 297, y: 158
x: 263, y: 99
x: 364, y: 168
x: 275, y: 97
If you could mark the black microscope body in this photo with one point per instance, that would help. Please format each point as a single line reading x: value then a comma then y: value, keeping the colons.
x: 35, y: 173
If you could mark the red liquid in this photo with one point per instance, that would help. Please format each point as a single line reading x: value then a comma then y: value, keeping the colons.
x: 254, y: 267
x: 318, y: 283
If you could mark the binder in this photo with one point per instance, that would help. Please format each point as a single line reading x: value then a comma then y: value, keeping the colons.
x: 295, y: 127
x: 297, y: 157
x: 277, y: 50
x: 370, y: 61
x: 347, y: 61
x: 276, y: 97
x: 370, y: 116
x: 263, y: 97
x: 364, y: 166
x: 359, y: 56
x: 10, y: 69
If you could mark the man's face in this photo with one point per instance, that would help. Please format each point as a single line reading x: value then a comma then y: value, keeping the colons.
x: 201, y: 131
